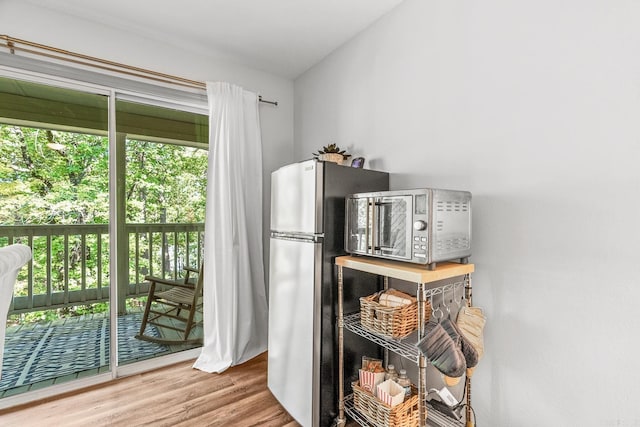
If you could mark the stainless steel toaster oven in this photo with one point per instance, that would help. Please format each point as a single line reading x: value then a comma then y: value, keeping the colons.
x: 423, y: 226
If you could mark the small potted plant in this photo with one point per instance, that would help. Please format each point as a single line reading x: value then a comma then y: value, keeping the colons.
x: 332, y: 153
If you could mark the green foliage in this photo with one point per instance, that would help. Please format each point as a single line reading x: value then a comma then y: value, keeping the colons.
x: 52, y: 177
x: 165, y: 183
x: 33, y: 317
x: 56, y: 177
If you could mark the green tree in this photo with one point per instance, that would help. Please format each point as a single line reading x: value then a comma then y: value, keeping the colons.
x: 165, y: 183
x: 56, y: 177
x: 51, y: 177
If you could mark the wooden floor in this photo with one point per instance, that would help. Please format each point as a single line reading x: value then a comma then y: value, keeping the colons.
x: 177, y: 395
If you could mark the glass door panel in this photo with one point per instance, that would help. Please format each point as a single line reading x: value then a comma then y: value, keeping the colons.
x: 55, y: 169
x: 394, y: 226
x: 54, y: 185
x: 165, y: 164
x: 358, y: 225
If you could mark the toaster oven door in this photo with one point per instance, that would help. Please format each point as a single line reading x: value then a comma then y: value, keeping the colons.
x: 359, y: 239
x: 393, y: 227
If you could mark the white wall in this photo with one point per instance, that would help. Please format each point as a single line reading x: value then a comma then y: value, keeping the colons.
x: 26, y: 21
x: 535, y: 108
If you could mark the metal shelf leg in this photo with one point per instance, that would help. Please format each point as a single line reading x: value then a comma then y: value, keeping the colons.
x: 341, y: 421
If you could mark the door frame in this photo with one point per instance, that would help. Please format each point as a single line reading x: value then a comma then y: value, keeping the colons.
x: 118, y: 268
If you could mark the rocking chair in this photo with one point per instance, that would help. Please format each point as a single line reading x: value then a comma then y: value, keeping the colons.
x: 176, y: 303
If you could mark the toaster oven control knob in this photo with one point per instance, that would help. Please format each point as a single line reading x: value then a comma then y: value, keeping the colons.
x: 419, y: 225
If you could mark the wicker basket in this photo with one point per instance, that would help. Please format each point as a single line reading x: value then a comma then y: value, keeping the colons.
x: 391, y: 322
x: 405, y: 414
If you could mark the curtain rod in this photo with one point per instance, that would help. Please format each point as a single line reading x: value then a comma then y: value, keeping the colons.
x: 14, y: 44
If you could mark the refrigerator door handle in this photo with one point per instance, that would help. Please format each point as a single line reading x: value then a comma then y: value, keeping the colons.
x: 313, y: 238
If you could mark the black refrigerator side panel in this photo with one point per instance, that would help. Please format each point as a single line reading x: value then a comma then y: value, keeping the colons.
x: 340, y: 181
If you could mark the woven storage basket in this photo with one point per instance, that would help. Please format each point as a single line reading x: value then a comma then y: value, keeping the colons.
x: 405, y: 414
x: 391, y: 322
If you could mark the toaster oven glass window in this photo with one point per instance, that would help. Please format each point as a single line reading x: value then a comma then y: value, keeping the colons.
x: 359, y: 220
x: 394, y: 228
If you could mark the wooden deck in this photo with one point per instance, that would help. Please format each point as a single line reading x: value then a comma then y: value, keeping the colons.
x: 35, y: 361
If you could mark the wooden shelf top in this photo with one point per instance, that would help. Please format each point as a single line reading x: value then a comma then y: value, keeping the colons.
x: 403, y: 270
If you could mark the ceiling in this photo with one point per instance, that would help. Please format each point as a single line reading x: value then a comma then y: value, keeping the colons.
x: 285, y: 37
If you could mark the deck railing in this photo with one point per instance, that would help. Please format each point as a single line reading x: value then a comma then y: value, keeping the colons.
x: 70, y: 264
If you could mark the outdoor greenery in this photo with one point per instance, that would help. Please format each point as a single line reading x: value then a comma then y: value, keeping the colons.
x: 62, y: 178
x: 53, y: 177
x: 49, y: 177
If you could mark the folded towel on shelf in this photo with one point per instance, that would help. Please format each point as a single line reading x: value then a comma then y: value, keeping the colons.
x: 395, y: 298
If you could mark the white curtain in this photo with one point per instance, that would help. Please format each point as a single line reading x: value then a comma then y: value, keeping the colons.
x: 235, y: 302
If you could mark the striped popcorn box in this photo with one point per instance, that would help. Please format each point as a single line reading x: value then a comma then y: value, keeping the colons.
x: 369, y: 380
x: 390, y: 393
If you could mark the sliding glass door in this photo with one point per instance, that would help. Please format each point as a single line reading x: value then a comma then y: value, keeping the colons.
x: 54, y: 187
x: 163, y: 202
x: 103, y: 212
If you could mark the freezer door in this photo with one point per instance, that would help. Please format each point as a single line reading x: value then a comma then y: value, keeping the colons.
x: 296, y: 198
x: 294, y: 336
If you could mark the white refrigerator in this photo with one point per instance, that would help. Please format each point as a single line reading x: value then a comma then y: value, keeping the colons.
x: 307, y: 233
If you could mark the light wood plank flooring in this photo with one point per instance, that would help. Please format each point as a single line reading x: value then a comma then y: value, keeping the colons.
x: 177, y: 395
